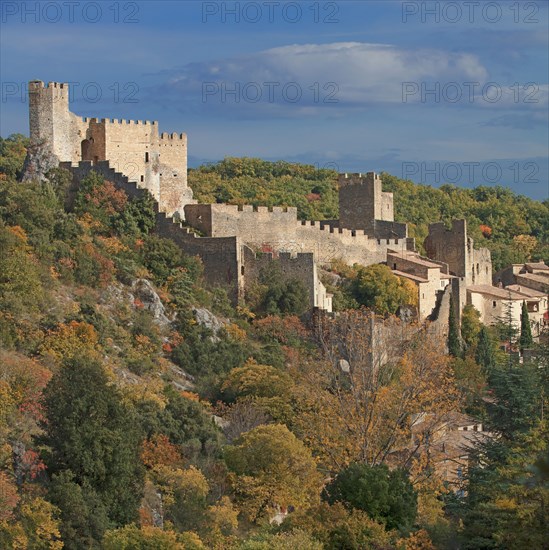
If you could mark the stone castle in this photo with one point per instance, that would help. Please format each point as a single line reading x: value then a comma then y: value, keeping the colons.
x: 157, y: 162
x: 237, y: 242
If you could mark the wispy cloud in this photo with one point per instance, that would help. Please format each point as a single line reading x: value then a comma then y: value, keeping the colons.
x: 340, y: 74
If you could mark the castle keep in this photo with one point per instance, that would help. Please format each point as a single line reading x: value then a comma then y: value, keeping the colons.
x: 237, y: 243
x: 157, y: 162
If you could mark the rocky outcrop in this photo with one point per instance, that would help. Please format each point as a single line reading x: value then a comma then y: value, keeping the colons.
x: 38, y: 162
x: 144, y: 293
x: 207, y: 319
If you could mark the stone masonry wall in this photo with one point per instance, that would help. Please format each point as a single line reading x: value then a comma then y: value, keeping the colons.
x: 362, y: 202
x: 278, y: 229
x: 300, y: 266
x: 448, y: 245
x: 455, y: 248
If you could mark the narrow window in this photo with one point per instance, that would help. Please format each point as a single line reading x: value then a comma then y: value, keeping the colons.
x: 142, y: 178
x: 147, y: 156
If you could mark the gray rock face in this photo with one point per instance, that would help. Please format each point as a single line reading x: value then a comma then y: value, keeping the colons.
x: 39, y: 160
x: 143, y: 291
x: 206, y: 318
x: 344, y: 366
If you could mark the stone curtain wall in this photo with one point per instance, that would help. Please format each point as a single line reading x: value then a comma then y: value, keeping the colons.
x: 299, y: 266
x: 278, y: 229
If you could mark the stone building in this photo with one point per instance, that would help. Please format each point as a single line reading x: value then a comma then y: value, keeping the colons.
x: 431, y: 278
x: 157, y: 162
x: 454, y: 247
x: 533, y: 275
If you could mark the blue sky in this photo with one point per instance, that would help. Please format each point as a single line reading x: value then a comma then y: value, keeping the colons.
x: 434, y: 91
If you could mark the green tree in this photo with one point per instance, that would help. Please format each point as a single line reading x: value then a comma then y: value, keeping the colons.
x: 280, y: 296
x: 83, y: 515
x: 506, y: 503
x: 385, y: 495
x: 485, y: 354
x: 454, y: 340
x: 526, y: 340
x: 376, y: 287
x: 515, y: 391
x: 470, y: 326
x: 13, y: 150
x: 92, y: 434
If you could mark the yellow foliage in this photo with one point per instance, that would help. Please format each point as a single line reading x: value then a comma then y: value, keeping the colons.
x: 364, y: 415
x: 40, y: 524
x: 150, y: 390
x: 235, y: 332
x: 69, y: 340
x: 181, y: 485
x: 271, y: 467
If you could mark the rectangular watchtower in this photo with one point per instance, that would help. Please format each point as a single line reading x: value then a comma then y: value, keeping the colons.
x: 363, y: 205
x: 157, y: 162
x: 454, y: 247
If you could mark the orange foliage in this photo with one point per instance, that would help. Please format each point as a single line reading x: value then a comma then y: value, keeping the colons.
x: 190, y: 395
x: 281, y: 329
x: 107, y: 197
x: 486, y: 230
x: 8, y: 497
x: 19, y: 232
x: 25, y: 379
x: 69, y: 340
x: 159, y: 451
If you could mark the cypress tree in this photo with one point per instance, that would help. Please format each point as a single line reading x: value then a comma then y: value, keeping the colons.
x: 485, y: 355
x: 526, y: 339
x: 454, y: 341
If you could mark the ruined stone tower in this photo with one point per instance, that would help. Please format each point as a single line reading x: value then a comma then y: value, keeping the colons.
x: 364, y: 206
x: 454, y: 247
x: 157, y: 162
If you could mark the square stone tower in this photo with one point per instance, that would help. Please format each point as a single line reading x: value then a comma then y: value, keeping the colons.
x: 362, y: 203
x: 157, y: 162
x: 454, y: 247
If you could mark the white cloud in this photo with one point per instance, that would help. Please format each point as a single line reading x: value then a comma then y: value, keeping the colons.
x: 364, y: 73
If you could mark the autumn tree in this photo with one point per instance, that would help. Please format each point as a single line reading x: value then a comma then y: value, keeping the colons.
x: 264, y: 386
x: 271, y: 467
x: 356, y: 404
x: 150, y: 538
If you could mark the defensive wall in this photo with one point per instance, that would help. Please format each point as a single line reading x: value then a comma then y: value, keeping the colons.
x: 227, y: 261
x: 278, y: 229
x: 301, y: 267
x: 220, y: 256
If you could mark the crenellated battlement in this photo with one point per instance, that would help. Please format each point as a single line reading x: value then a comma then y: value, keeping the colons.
x: 172, y: 137
x: 119, y: 121
x: 358, y: 178
x: 39, y: 85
